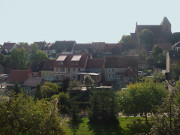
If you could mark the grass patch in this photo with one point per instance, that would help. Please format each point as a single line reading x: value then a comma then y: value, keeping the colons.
x: 84, y: 128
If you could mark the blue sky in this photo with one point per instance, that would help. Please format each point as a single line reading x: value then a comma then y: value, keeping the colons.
x: 81, y: 20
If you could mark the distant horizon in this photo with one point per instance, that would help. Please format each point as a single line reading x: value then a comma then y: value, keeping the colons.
x: 81, y: 21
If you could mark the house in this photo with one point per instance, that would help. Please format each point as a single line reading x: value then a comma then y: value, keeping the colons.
x: 9, y: 46
x: 165, y: 46
x: 40, y: 44
x: 49, y: 50
x: 112, y: 49
x: 70, y: 65
x: 47, y: 71
x: 19, y: 76
x: 121, y: 69
x: 82, y: 48
x: 4, y: 51
x: 172, y: 58
x: 95, y: 65
x: 176, y: 46
x: 161, y: 33
x: 36, y: 68
x: 63, y: 47
x: 31, y: 83
x: 26, y: 47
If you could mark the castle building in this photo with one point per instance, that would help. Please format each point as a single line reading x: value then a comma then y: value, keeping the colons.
x: 161, y: 33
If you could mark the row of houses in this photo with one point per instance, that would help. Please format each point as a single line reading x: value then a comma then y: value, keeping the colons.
x: 121, y: 69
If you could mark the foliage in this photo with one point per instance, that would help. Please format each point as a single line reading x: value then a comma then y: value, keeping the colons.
x: 175, y: 72
x: 138, y: 127
x: 145, y: 37
x: 127, y: 42
x: 73, y: 84
x: 158, y: 58
x: 3, y: 60
x: 38, y: 94
x: 88, y: 81
x: 17, y: 88
x: 175, y: 37
x: 74, y: 110
x: 19, y: 59
x: 49, y: 89
x: 103, y: 106
x: 23, y: 43
x: 63, y: 104
x: 167, y: 121
x: 36, y: 54
x: 21, y: 115
x: 141, y: 98
x: 65, y: 84
x: 143, y: 54
x: 158, y: 77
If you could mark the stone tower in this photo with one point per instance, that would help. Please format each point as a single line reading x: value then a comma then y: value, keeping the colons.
x: 166, y: 25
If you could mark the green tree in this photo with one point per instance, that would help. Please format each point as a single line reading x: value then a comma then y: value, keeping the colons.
x: 158, y: 77
x: 49, y: 89
x: 63, y: 103
x: 36, y: 54
x: 19, y: 59
x: 3, y: 60
x: 167, y: 120
x: 17, y: 88
x: 21, y: 115
x: 145, y: 37
x: 103, y: 106
x: 65, y: 84
x: 23, y: 43
x: 127, y: 42
x: 88, y: 81
x: 158, y: 58
x: 141, y: 98
x: 38, y: 94
x: 175, y: 72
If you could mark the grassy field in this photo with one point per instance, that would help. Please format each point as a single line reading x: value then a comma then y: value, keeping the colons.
x: 84, y: 128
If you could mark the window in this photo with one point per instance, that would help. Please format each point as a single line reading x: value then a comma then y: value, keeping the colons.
x: 78, y: 69
x: 112, y: 70
x: 68, y: 70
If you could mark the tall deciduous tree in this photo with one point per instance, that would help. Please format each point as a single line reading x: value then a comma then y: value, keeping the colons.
x: 19, y: 59
x: 49, y: 89
x: 103, y: 106
x: 38, y: 94
x: 145, y: 37
x: 127, y: 42
x: 142, y: 98
x: 158, y: 58
x: 21, y: 115
x: 36, y: 54
x: 3, y: 60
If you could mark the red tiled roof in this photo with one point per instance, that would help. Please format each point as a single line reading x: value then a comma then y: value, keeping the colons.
x: 95, y: 63
x: 19, y: 75
x: 68, y: 63
x: 121, y: 62
x: 33, y: 81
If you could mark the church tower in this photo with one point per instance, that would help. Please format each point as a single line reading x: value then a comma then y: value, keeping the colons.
x: 166, y: 25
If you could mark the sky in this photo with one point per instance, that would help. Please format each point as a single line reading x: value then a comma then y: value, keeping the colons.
x: 84, y: 21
